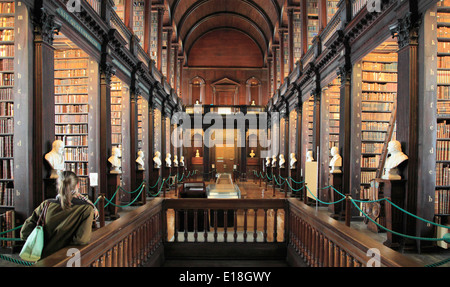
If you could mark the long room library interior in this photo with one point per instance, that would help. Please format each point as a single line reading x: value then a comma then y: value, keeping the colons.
x: 225, y: 133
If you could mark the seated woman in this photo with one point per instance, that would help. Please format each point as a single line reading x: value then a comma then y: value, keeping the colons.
x: 68, y: 220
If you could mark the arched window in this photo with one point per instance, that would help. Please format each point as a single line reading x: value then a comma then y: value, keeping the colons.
x: 196, y: 90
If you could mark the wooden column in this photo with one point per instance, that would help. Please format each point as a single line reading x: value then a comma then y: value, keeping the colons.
x: 147, y: 26
x: 44, y: 100
x: 181, y: 59
x: 286, y: 148
x: 275, y: 81
x: 298, y: 141
x: 269, y: 78
x: 281, y: 59
x: 407, y: 33
x: 135, y: 93
x: 291, y: 61
x: 175, y: 68
x: 128, y: 14
x: 317, y: 94
x: 304, y: 26
x: 322, y: 14
x: 160, y: 35
x: 169, y: 55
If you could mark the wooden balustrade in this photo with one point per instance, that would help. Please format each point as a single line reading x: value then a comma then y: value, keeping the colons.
x: 132, y: 240
x: 281, y: 229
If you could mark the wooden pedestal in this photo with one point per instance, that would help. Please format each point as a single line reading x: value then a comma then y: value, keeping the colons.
x: 140, y: 174
x: 111, y: 212
x: 50, y: 188
x: 337, y: 210
x: 395, y: 219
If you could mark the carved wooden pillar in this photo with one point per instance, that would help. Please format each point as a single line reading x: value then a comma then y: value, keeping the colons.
x: 159, y: 38
x: 317, y: 95
x: 135, y: 93
x: 269, y: 78
x: 291, y: 61
x: 128, y: 14
x: 175, y: 68
x: 322, y: 14
x: 147, y: 26
x: 304, y: 26
x: 169, y: 55
x: 275, y: 78
x: 407, y: 32
x: 281, y: 59
x: 298, y: 141
x: 45, y: 27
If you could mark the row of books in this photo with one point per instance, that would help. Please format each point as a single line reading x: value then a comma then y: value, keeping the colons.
x: 379, y: 76
x: 442, y: 174
x: 6, y: 195
x: 380, y: 58
x: 443, y: 32
x: 75, y: 53
x: 67, y: 119
x: 71, y: 90
x: 68, y: 82
x: 377, y: 87
x: 95, y: 4
x: 443, y: 18
x: 371, y: 161
x: 377, y: 106
x: 443, y: 47
x: 6, y: 146
x: 74, y: 140
x: 77, y: 154
x: 367, y: 176
x: 116, y: 139
x: 6, y: 50
x: 6, y: 94
x: 383, y: 97
x: 6, y: 109
x: 7, y: 65
x: 70, y: 64
x: 6, y: 126
x: 8, y: 222
x: 443, y: 92
x: 443, y: 130
x: 71, y: 109
x: 374, y: 126
x: 80, y: 168
x: 443, y: 108
x: 442, y: 203
x: 7, y: 169
x: 382, y: 67
x: 7, y: 8
x: 381, y: 117
x: 365, y: 192
x: 83, y: 185
x: 443, y: 77
x: 443, y: 3
x: 444, y: 62
x: 71, y: 99
x: 372, y: 147
x: 116, y: 129
x: 71, y: 129
x: 70, y: 73
x: 7, y: 35
x: 443, y: 150
x: 6, y: 79
x: 374, y: 136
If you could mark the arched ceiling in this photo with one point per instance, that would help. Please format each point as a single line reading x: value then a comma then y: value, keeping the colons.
x: 190, y: 19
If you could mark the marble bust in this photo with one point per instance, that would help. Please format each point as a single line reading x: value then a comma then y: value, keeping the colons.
x: 182, y: 161
x: 168, y: 160
x: 396, y: 158
x: 309, y: 156
x: 140, y: 160
x: 267, y: 161
x: 252, y: 154
x: 56, y: 159
x: 274, y: 161
x: 175, y: 161
x: 115, y: 161
x: 157, y: 160
x: 336, y: 161
x: 292, y: 161
x: 282, y: 161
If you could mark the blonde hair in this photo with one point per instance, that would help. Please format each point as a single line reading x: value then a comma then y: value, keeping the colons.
x: 67, y: 184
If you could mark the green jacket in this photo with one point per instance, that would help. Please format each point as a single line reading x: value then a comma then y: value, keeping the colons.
x: 62, y: 227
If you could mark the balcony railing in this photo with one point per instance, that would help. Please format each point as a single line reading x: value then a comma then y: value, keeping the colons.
x: 200, y: 228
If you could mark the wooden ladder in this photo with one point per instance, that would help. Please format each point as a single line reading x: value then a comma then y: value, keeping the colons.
x: 390, y: 132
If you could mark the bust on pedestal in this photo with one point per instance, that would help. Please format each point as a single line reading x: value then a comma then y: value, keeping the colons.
x: 274, y: 161
x: 175, y: 161
x: 292, y: 161
x: 396, y: 158
x: 309, y: 156
x: 267, y: 161
x: 115, y: 161
x: 56, y: 159
x: 252, y: 154
x: 182, y: 161
x: 282, y: 161
x: 197, y: 154
x: 168, y: 160
x: 157, y: 160
x: 140, y: 160
x: 336, y: 161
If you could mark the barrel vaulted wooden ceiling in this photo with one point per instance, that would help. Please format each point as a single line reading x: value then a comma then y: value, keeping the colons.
x: 259, y: 19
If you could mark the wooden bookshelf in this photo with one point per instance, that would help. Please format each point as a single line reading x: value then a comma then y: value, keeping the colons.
x: 72, y: 110
x: 442, y: 190
x: 154, y: 36
x: 332, y: 7
x: 116, y: 112
x: 333, y: 97
x: 297, y: 36
x: 378, y: 97
x: 164, y: 54
x: 119, y: 7
x: 140, y: 104
x: 139, y: 19
x: 313, y: 20
x: 7, y: 10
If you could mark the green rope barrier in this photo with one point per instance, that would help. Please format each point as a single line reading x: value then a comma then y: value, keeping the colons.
x: 8, y: 231
x: 323, y: 202
x: 280, y: 180
x: 130, y: 192
x: 438, y: 263
x: 151, y: 187
x: 110, y: 202
x: 394, y: 232
x: 10, y: 239
x: 296, y: 181
x: 16, y: 261
x: 295, y: 190
x: 268, y: 177
x: 160, y: 188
